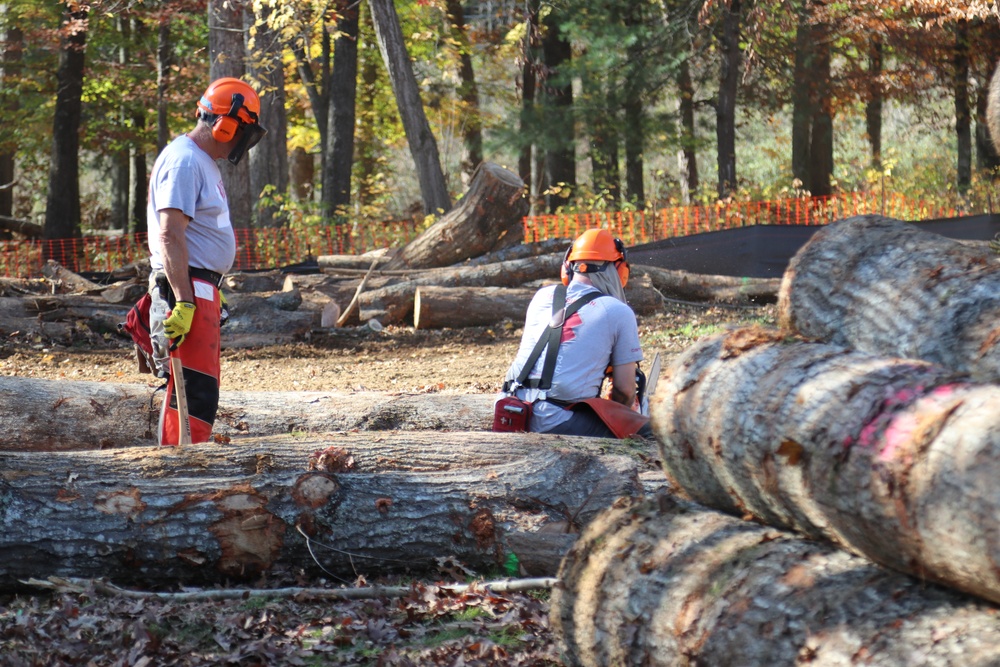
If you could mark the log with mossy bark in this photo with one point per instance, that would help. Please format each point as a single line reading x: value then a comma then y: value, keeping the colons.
x: 665, y: 583
x: 65, y: 415
x: 887, y: 287
x: 347, y: 503
x: 894, y: 459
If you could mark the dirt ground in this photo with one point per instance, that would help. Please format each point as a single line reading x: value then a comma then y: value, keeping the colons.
x: 426, y: 627
x: 396, y: 359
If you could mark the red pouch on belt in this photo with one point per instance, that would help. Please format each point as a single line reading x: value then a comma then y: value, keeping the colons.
x: 511, y: 415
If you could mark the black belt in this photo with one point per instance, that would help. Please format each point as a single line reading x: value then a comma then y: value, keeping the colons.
x: 206, y: 275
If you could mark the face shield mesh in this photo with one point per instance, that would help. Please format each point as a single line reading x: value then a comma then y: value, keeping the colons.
x: 250, y: 136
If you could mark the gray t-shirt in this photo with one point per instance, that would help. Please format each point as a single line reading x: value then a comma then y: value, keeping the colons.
x: 186, y: 178
x: 602, y: 333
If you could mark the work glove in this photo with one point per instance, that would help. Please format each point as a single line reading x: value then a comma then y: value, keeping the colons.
x: 995, y: 245
x: 179, y: 323
x: 223, y: 309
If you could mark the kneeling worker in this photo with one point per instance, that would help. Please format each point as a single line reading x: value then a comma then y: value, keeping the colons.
x: 592, y: 327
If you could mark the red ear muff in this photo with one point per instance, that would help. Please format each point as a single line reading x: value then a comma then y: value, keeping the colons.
x: 566, y: 270
x: 623, y: 271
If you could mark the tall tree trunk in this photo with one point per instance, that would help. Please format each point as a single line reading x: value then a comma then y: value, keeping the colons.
x: 848, y: 286
x: 987, y: 158
x: 687, y: 156
x: 343, y: 107
x: 62, y: 210
x: 661, y: 583
x: 560, y: 158
x: 802, y: 95
x: 423, y: 146
x: 10, y: 69
x: 635, y: 127
x: 873, y: 106
x: 963, y: 115
x: 164, y: 58
x: 725, y: 110
x: 140, y: 179
x: 468, y: 92
x: 227, y: 52
x: 367, y: 149
x: 269, y: 159
x: 821, y: 141
x: 890, y: 458
x: 528, y: 84
x: 120, y: 182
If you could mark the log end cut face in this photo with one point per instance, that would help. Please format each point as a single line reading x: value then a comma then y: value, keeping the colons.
x: 250, y: 537
x: 315, y: 490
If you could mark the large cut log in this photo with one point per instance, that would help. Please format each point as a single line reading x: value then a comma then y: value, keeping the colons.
x: 887, y: 287
x: 894, y: 459
x: 689, y: 286
x: 44, y: 415
x: 360, y: 504
x: 489, y: 217
x: 393, y: 304
x: 455, y: 307
x: 664, y: 584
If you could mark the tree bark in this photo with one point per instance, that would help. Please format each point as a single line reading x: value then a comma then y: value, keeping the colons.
x: 700, y: 287
x: 342, y: 112
x: 454, y: 307
x: 269, y: 158
x: 468, y: 91
x: 556, y: 102
x: 489, y: 217
x: 423, y: 146
x: 393, y: 304
x: 62, y: 210
x: 211, y: 513
x: 725, y: 110
x: 687, y: 155
x: 886, y: 287
x: 10, y: 69
x: 227, y: 52
x: 890, y: 458
x: 668, y: 583
x: 43, y: 415
x: 876, y: 98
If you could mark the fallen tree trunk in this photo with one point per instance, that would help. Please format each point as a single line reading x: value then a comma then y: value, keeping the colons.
x: 489, y: 217
x: 664, y: 584
x: 393, y: 304
x: 208, y: 513
x: 894, y: 459
x: 887, y: 287
x: 44, y: 415
x: 454, y: 307
x: 699, y: 287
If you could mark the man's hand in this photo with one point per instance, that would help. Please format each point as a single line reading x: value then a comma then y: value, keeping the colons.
x: 179, y: 323
x: 223, y: 309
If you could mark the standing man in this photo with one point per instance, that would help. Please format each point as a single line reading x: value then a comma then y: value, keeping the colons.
x: 192, y: 245
x: 602, y: 333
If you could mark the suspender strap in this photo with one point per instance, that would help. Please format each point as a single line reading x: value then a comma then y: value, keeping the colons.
x: 550, y: 340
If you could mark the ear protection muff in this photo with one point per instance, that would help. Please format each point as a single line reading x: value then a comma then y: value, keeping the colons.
x: 622, y: 264
x: 566, y: 270
x: 225, y: 127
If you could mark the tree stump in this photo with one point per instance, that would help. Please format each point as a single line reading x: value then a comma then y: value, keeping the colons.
x: 489, y: 217
x: 356, y: 503
x: 894, y: 459
x: 668, y: 583
x: 887, y: 287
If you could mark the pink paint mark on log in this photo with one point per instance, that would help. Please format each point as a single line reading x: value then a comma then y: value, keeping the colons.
x: 902, y: 427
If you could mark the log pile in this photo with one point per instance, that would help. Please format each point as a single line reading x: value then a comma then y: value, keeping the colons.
x: 669, y: 583
x: 210, y: 513
x: 887, y: 287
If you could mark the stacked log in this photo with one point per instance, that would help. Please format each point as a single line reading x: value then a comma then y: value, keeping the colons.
x: 669, y: 583
x: 346, y: 503
x: 886, y: 287
x: 42, y: 415
x: 894, y: 459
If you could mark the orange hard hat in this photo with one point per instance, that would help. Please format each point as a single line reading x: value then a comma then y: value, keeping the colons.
x: 232, y: 107
x: 600, y: 247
